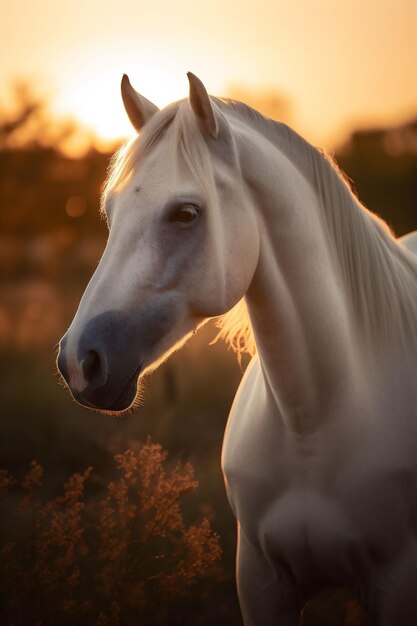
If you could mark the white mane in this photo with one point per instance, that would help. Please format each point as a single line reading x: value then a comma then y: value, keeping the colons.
x: 379, y: 275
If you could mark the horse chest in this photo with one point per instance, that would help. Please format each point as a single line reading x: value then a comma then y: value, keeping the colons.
x: 277, y: 497
x: 319, y: 503
x: 260, y: 464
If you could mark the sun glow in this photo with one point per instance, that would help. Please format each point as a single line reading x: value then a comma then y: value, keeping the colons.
x: 297, y: 50
x: 92, y: 95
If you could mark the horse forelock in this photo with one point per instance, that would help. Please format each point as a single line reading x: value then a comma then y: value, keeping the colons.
x: 125, y: 159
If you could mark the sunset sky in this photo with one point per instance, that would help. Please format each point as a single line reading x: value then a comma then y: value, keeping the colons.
x: 340, y: 63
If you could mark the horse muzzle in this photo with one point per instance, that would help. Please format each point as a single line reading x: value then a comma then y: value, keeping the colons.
x: 103, y: 397
x: 102, y: 368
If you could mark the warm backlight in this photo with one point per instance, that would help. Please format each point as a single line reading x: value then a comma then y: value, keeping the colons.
x: 92, y: 96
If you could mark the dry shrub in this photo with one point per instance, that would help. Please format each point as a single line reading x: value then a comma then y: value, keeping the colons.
x: 123, y: 557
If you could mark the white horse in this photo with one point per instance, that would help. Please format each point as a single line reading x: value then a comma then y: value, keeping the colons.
x: 212, y: 203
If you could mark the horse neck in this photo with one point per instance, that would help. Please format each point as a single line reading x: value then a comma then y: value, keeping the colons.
x: 308, y: 299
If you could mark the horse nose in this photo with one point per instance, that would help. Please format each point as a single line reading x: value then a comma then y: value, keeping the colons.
x: 85, y: 368
x: 93, y: 367
x: 99, y: 364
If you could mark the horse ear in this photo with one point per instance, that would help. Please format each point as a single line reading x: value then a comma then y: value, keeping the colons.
x: 138, y: 108
x: 202, y: 107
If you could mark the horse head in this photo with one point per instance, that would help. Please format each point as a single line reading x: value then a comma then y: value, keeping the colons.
x: 182, y: 247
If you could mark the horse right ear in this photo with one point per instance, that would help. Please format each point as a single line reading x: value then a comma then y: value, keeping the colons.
x: 138, y: 108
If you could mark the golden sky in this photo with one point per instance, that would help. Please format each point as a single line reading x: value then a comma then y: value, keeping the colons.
x: 341, y: 63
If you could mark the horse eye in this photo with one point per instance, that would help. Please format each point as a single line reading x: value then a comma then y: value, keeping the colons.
x: 185, y: 214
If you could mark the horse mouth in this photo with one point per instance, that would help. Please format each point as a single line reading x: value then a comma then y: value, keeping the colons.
x: 97, y: 400
x: 128, y: 393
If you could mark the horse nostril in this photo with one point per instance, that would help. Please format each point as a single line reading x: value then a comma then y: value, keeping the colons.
x: 92, y: 367
x: 62, y: 364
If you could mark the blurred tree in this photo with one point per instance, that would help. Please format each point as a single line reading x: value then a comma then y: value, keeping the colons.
x: 382, y: 163
x: 48, y: 200
x: 28, y: 107
x: 30, y: 123
x: 269, y: 102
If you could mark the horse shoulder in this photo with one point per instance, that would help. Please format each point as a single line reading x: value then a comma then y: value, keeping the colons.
x: 251, y: 445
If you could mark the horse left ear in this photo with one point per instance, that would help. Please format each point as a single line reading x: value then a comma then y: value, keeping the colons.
x: 202, y: 107
x: 138, y: 108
